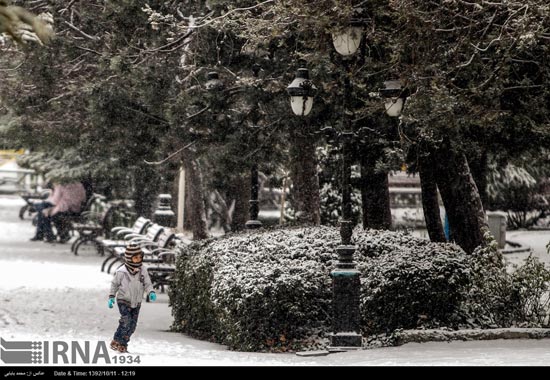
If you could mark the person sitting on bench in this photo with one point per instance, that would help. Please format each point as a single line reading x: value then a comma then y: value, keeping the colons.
x: 66, y: 199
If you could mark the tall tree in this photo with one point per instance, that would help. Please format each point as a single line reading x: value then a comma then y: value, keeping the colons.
x: 375, y: 197
x: 305, y: 180
x: 476, y: 68
x: 430, y: 199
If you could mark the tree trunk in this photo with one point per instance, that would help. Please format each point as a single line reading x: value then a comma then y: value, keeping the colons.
x: 239, y: 192
x: 461, y: 198
x: 305, y: 179
x: 196, y: 191
x: 188, y: 206
x: 375, y: 197
x: 179, y: 191
x: 479, y: 170
x: 430, y: 203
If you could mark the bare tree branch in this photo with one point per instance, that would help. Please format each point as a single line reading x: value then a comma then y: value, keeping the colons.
x: 68, y: 7
x: 197, y: 113
x: 81, y: 32
x: 233, y: 11
x: 175, y: 42
x: 172, y: 155
x: 90, y: 50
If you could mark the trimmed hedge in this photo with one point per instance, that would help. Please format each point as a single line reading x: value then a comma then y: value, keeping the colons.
x: 407, y: 283
x: 271, y: 290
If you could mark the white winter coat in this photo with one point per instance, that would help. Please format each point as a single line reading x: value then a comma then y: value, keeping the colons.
x: 130, y: 288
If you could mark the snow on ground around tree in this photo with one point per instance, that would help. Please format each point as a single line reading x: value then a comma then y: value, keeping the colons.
x: 47, y: 293
x: 536, y: 240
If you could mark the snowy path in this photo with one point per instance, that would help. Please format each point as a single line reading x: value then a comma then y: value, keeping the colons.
x: 46, y: 293
x: 537, y: 240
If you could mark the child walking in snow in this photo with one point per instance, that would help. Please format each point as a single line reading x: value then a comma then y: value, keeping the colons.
x: 128, y: 285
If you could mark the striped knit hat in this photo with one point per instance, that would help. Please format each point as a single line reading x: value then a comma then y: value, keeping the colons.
x: 131, y: 251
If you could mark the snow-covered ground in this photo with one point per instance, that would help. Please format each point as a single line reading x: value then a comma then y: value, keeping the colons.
x: 536, y: 240
x: 47, y: 293
x: 13, y: 178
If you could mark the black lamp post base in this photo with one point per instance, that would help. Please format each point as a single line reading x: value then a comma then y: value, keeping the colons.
x: 253, y: 224
x: 346, y: 341
x: 346, y: 285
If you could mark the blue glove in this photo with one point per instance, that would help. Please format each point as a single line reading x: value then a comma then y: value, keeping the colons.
x: 111, y: 302
x: 152, y: 296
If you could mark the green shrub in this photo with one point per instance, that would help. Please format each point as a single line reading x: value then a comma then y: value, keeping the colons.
x: 488, y: 296
x: 189, y: 294
x: 519, y: 192
x: 408, y: 287
x: 271, y: 290
x: 500, y: 296
x: 530, y: 287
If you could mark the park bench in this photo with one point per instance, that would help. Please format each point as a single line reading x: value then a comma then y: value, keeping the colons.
x: 30, y: 200
x: 158, y: 257
x: 140, y: 227
x: 153, y: 233
x: 97, y: 224
x: 63, y: 222
x: 149, y: 247
x: 117, y: 233
x: 163, y: 268
x: 68, y: 219
x: 151, y: 250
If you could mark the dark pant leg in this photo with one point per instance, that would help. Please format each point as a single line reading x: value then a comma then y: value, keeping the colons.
x: 134, y: 314
x: 43, y: 224
x: 40, y: 225
x: 47, y: 228
x: 61, y: 224
x: 127, y: 323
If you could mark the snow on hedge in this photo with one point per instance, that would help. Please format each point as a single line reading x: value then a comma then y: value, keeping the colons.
x: 271, y: 290
x: 409, y: 282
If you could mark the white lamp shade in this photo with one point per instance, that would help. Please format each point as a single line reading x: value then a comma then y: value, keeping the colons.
x: 301, y: 105
x: 347, y: 42
x: 394, y: 106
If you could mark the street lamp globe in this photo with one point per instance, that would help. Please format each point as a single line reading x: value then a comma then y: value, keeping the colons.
x: 394, y: 106
x: 394, y: 96
x: 347, y: 41
x: 301, y: 92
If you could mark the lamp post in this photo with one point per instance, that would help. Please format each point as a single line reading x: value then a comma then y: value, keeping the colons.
x: 254, y: 204
x: 254, y: 208
x: 345, y: 277
x: 163, y: 214
x: 346, y: 284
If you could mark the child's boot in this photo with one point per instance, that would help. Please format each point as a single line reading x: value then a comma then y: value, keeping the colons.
x: 115, y: 345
